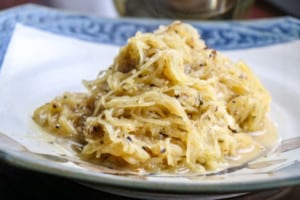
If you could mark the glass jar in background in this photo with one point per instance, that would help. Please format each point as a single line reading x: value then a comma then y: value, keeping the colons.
x: 185, y: 9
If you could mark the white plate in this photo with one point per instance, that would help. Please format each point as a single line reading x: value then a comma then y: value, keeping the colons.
x: 39, y: 66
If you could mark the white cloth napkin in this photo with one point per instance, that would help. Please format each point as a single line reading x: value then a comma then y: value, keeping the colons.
x: 32, y: 48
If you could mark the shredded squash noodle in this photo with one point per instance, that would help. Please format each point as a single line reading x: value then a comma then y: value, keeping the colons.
x: 167, y: 103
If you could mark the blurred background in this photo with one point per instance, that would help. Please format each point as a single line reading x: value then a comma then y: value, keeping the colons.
x: 188, y: 9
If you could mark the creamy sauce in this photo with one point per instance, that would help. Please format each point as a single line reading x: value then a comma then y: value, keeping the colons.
x: 264, y: 142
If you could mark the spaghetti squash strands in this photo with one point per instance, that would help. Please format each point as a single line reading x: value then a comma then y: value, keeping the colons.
x: 166, y: 103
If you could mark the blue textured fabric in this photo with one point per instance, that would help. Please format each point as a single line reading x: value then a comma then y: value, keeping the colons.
x: 222, y: 35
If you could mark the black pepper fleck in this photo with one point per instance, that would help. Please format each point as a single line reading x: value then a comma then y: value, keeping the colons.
x: 231, y: 129
x: 129, y: 138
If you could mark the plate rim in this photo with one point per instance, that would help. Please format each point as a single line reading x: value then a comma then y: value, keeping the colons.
x: 15, y: 158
